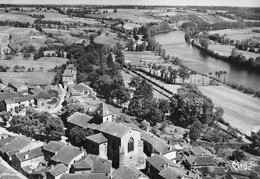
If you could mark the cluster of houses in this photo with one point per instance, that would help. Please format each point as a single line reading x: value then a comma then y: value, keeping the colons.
x: 16, y: 96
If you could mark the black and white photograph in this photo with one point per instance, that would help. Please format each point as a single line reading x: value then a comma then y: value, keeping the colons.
x: 129, y: 89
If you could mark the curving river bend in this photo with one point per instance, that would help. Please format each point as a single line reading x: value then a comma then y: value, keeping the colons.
x: 175, y: 45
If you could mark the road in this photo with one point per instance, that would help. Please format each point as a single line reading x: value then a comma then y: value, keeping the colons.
x: 59, y: 106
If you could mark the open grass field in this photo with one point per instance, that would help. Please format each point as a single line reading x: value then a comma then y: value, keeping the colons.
x: 241, y: 110
x: 14, y: 16
x: 134, y: 15
x: 146, y: 56
x: 226, y: 50
x: 131, y: 26
x: 237, y: 34
x: 109, y: 40
x: 30, y: 78
x: 46, y: 62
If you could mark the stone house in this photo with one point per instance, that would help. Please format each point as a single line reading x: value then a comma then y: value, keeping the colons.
x: 57, y: 171
x: 29, y: 158
x: 122, y: 144
x: 41, y: 98
x: 195, y: 162
x: 78, y: 119
x: 97, y: 145
x: 82, y: 90
x: 157, y: 163
x: 170, y: 173
x: 128, y: 172
x: 69, y: 76
x: 18, y: 87
x: 19, y: 102
x: 51, y: 149
x: 67, y: 155
x: 155, y: 145
x: 92, y: 164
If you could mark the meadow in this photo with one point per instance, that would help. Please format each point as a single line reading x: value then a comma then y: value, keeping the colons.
x: 46, y: 63
x: 237, y: 34
x: 30, y: 78
x: 240, y: 110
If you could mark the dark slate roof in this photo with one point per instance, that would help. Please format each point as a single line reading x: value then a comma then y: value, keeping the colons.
x: 200, y: 160
x: 6, y: 140
x: 34, y: 153
x: 67, y: 154
x: 159, y: 162
x: 18, y: 99
x: 67, y: 73
x: 94, y: 163
x: 15, y: 145
x: 42, y: 95
x: 85, y: 176
x: 172, y: 172
x: 114, y: 129
x: 201, y: 151
x: 97, y: 138
x: 79, y: 119
x: 16, y: 84
x: 58, y: 169
x: 102, y: 110
x: 126, y: 172
x: 8, y: 95
x: 81, y: 87
x: 53, y: 146
x: 157, y: 143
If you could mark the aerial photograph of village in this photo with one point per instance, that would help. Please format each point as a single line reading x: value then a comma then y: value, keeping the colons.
x: 129, y: 89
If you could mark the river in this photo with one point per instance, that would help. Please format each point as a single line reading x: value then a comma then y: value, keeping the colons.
x: 175, y: 45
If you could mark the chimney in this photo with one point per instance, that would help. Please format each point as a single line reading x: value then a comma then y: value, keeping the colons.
x: 165, y: 165
x: 26, y: 156
x: 188, y: 173
x: 202, y: 153
x: 55, y: 152
x: 81, y: 148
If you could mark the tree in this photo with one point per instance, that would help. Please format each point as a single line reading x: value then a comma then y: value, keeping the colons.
x: 173, y: 75
x: 195, y: 130
x: 122, y: 95
x: 164, y: 105
x: 70, y: 109
x: 16, y: 68
x: 238, y: 155
x: 224, y: 80
x: 78, y: 135
x: 115, y: 10
x: 184, y: 74
x: 110, y: 62
x: 204, y: 43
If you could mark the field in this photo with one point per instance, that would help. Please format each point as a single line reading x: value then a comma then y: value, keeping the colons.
x: 133, y: 15
x: 237, y: 34
x: 226, y: 50
x: 10, y: 16
x: 109, y: 40
x: 140, y: 57
x: 30, y: 78
x: 241, y: 110
x: 46, y: 63
x: 130, y: 26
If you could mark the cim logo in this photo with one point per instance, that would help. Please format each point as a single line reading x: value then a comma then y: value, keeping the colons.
x: 241, y: 166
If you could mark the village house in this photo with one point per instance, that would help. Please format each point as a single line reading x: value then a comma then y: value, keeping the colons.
x: 57, y: 171
x: 194, y: 162
x: 78, y: 119
x: 92, y: 164
x: 128, y: 172
x: 15, y: 103
x: 157, y: 163
x: 85, y: 176
x: 51, y: 149
x: 170, y: 173
x: 69, y: 76
x: 122, y: 143
x: 41, y: 98
x: 30, y: 158
x: 18, y: 87
x: 67, y: 155
x: 39, y: 173
x: 199, y: 151
x: 16, y: 145
x: 5, y: 96
x: 155, y: 145
x: 82, y: 90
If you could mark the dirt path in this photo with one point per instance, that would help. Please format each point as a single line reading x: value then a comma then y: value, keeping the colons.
x: 240, y: 110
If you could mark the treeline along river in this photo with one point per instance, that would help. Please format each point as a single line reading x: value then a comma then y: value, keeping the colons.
x: 174, y: 44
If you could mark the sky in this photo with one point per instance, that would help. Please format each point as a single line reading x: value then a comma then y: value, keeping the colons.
x: 247, y: 3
